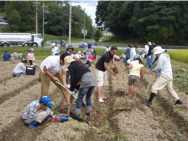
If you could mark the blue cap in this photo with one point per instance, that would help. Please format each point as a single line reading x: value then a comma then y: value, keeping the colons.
x: 31, y: 49
x: 107, y: 45
x: 46, y: 100
x: 137, y: 56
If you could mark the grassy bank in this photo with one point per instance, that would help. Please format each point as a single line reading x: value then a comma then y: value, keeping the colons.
x: 179, y: 55
x: 58, y: 38
x: 41, y: 53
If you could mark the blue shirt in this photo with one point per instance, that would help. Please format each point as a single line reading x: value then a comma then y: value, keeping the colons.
x: 128, y: 51
x: 164, y: 67
x: 6, y: 56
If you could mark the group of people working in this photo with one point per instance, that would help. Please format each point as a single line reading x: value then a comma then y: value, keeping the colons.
x: 59, y: 68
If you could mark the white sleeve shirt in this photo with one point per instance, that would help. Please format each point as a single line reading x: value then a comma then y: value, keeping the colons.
x: 133, y: 53
x: 146, y: 49
x: 52, y: 64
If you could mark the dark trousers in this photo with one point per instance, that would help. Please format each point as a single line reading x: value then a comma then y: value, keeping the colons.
x: 30, y: 62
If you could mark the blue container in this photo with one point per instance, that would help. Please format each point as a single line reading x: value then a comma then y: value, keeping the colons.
x: 63, y: 118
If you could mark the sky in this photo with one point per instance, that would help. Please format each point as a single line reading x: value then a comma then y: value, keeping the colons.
x: 90, y: 8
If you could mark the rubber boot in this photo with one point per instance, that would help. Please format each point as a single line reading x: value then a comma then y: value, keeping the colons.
x: 33, y: 124
x: 178, y: 102
x: 149, y: 102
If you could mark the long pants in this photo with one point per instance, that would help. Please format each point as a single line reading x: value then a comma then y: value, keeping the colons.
x: 67, y: 76
x: 163, y: 81
x: 45, y: 82
x: 30, y: 62
x: 149, y: 60
x: 82, y: 92
x: 40, y: 117
x: 20, y: 73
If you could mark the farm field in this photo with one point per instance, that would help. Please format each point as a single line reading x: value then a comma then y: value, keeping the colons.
x: 116, y: 119
x: 179, y: 55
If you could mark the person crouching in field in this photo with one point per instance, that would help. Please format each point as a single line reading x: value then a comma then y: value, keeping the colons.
x: 137, y: 68
x: 164, y: 71
x: 37, y: 111
x: 20, y: 68
x: 82, y: 75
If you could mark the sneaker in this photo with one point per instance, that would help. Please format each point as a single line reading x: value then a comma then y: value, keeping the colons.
x: 147, y: 103
x: 178, y: 102
x: 101, y: 100
x: 68, y: 86
x: 104, y: 97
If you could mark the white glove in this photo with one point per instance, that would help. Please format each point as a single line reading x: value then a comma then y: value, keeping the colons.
x: 72, y: 92
x: 52, y: 114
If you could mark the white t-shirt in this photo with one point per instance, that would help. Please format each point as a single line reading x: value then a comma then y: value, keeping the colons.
x: 146, y: 49
x: 77, y: 56
x: 19, y: 68
x: 52, y: 64
x: 54, y: 50
x: 133, y: 53
x: 136, y: 67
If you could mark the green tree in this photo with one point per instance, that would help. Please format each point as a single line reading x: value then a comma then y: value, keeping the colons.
x: 97, y: 35
x: 14, y: 20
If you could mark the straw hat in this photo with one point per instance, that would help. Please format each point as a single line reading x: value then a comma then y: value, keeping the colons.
x: 158, y: 50
x: 68, y: 60
x: 53, y: 44
x: 149, y: 43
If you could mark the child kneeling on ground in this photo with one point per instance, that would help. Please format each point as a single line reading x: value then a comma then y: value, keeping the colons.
x: 137, y: 68
x: 37, y: 111
x: 20, y: 68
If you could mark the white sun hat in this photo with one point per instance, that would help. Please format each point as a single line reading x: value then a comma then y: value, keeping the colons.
x: 53, y: 44
x: 158, y: 50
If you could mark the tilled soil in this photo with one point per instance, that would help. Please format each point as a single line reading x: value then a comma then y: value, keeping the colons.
x: 118, y: 118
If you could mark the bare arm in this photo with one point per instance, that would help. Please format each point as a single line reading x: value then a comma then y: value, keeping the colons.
x: 49, y: 74
x: 64, y: 79
x: 106, y: 67
x: 129, y: 67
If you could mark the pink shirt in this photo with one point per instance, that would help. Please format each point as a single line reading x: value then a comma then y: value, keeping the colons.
x: 31, y: 56
x: 116, y: 57
x: 91, y: 58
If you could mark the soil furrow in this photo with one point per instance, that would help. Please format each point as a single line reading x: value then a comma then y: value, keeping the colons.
x: 19, y: 131
x: 13, y: 93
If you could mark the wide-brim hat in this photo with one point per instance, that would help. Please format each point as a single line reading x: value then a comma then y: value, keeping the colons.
x: 53, y: 44
x: 149, y: 43
x: 79, y: 52
x: 70, y: 46
x: 158, y: 50
x: 68, y: 60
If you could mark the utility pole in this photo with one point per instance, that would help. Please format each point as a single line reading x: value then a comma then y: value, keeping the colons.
x: 84, y: 25
x: 70, y: 15
x: 36, y: 4
x: 43, y: 22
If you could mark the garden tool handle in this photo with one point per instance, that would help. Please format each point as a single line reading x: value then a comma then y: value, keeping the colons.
x: 58, y: 82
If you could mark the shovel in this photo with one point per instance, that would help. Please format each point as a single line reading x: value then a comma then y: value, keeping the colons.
x: 58, y: 82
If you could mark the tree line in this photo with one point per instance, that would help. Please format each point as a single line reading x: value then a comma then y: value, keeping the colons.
x: 164, y: 22
x: 21, y: 16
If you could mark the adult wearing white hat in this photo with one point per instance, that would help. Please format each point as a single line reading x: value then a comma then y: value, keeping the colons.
x: 55, y: 50
x: 164, y: 71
